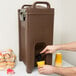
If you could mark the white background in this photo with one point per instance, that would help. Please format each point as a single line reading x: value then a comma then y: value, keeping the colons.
x: 64, y: 24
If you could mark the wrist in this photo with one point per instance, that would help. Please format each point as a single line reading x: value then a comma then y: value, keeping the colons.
x: 58, y: 70
x: 55, y: 70
x: 58, y: 47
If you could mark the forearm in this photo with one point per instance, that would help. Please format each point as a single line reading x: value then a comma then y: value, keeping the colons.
x: 67, y: 46
x: 70, y: 71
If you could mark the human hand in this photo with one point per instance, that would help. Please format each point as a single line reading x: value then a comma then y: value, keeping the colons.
x: 47, y: 69
x: 49, y: 49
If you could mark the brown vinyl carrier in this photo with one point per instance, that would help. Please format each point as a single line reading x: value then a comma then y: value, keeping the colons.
x: 35, y: 33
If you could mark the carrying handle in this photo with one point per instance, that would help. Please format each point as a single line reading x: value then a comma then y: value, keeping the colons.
x: 34, y: 5
x: 25, y: 6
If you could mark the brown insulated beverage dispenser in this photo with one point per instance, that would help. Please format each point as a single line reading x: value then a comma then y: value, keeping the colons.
x: 35, y: 33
